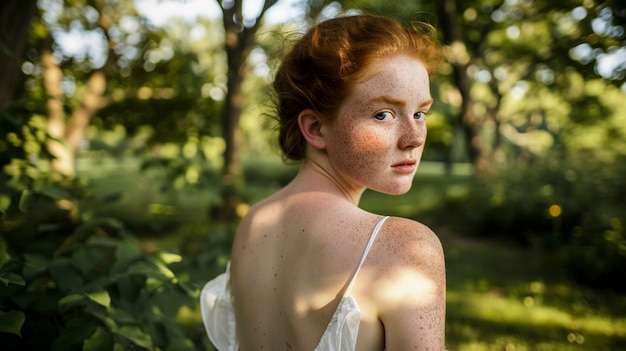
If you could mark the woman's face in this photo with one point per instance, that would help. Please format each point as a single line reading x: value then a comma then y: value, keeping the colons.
x: 378, y: 137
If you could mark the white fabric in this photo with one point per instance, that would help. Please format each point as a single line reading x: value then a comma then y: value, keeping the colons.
x: 218, y: 314
x: 343, y: 329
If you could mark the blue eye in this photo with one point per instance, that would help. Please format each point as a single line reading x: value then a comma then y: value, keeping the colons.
x: 381, y: 116
x: 420, y: 115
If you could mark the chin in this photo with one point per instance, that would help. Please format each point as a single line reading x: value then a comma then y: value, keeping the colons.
x: 399, y: 190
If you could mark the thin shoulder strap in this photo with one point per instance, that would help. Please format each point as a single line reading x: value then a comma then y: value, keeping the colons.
x: 369, y: 245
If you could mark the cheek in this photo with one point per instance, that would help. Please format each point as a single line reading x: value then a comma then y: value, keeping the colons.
x: 361, y: 148
x: 370, y: 142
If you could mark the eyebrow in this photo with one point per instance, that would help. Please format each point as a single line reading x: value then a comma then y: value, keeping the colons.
x: 394, y: 101
x: 427, y: 102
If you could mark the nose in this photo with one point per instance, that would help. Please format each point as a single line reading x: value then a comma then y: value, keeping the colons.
x: 412, y: 134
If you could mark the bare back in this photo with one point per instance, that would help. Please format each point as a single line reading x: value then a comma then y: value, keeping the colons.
x: 292, y: 259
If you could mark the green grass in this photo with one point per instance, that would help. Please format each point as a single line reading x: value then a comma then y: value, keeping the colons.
x: 505, y: 298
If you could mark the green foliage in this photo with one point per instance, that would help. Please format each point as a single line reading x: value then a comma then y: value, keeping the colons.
x: 574, y: 208
x: 97, y: 290
x: 68, y: 282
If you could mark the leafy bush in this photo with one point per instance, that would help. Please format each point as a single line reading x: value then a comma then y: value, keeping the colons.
x: 575, y: 209
x: 75, y: 281
x: 91, y: 289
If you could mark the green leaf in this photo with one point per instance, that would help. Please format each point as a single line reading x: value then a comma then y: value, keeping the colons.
x: 76, y: 328
x: 119, y: 347
x: 100, y: 313
x: 125, y: 253
x: 25, y: 201
x: 66, y: 276
x: 143, y: 268
x: 163, y: 268
x: 11, y: 278
x: 100, y: 340
x: 168, y: 257
x: 34, y: 265
x: 180, y: 344
x: 85, y: 260
x: 135, y: 335
x: 189, y: 289
x: 155, y: 283
x: 100, y: 297
x: 129, y: 287
x: 175, y: 336
x: 11, y: 322
x: 122, y: 316
x: 5, y: 202
x: 70, y: 301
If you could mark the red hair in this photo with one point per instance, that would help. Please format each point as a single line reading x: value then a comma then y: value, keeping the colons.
x: 323, y: 66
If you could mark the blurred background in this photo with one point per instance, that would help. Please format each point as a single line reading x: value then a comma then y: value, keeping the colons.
x: 134, y: 134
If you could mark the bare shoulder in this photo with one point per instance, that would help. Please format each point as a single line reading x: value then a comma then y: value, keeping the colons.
x: 408, y: 259
x: 413, y: 255
x: 409, y: 239
x: 410, y: 276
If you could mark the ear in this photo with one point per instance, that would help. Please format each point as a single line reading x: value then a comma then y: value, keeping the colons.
x: 311, y: 128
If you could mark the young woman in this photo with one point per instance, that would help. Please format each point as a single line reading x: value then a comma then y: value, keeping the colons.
x: 310, y: 269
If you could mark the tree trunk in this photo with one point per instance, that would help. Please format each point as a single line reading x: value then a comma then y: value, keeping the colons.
x: 238, y: 42
x: 459, y: 59
x: 15, y: 21
x: 52, y: 76
x: 498, y: 154
x: 66, y: 136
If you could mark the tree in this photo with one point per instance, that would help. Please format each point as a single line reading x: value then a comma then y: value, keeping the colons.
x: 67, y: 135
x: 47, y: 65
x: 496, y: 51
x: 499, y: 52
x: 123, y: 69
x: 15, y: 17
x: 239, y: 39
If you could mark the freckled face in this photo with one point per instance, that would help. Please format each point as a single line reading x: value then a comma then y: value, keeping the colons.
x: 378, y: 137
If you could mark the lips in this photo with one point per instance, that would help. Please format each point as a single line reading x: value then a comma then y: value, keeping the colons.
x: 407, y: 166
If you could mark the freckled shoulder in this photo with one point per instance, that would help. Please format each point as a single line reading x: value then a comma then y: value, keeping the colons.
x: 409, y: 260
x: 403, y: 236
x: 410, y: 276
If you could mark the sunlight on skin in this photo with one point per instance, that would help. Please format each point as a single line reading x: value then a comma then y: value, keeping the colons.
x: 420, y: 283
x: 303, y: 305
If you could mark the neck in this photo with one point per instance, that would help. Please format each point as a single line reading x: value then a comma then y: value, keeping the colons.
x: 315, y: 176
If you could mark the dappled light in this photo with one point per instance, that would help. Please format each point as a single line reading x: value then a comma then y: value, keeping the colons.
x: 134, y: 135
x: 491, y: 311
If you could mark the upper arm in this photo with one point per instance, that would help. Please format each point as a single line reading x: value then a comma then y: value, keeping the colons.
x: 413, y: 294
